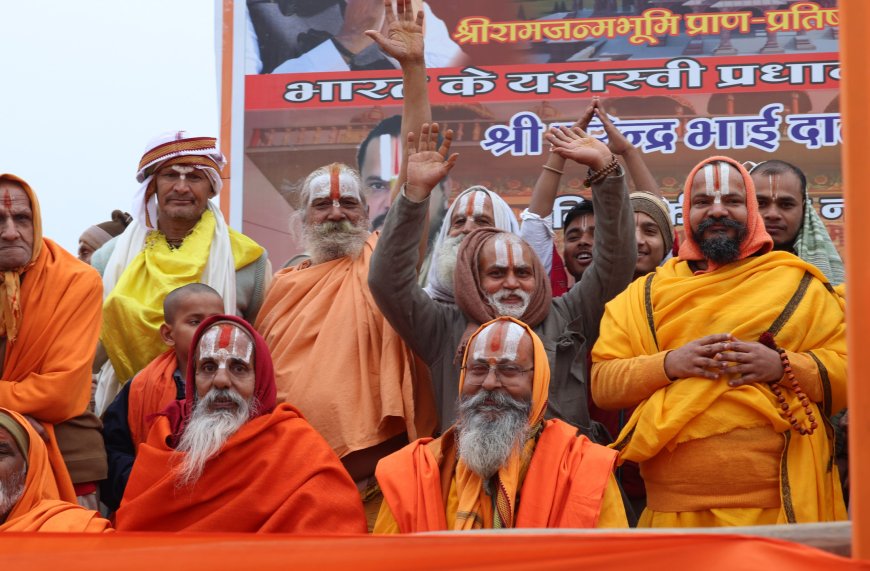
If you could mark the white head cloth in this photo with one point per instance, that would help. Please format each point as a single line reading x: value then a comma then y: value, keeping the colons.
x: 504, y: 220
x: 219, y: 271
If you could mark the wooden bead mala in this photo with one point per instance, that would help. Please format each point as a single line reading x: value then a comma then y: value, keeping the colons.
x: 767, y: 340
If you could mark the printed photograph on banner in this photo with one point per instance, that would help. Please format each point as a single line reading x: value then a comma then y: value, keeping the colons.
x: 675, y: 105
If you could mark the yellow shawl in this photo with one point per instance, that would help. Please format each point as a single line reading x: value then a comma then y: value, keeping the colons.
x: 743, y: 298
x: 133, y: 311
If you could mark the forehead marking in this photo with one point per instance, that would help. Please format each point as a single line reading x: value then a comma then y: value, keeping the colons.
x: 772, y: 181
x: 390, y: 156
x: 499, y: 341
x: 322, y: 186
x: 224, y: 342
x: 716, y: 181
x: 7, y: 199
x: 502, y: 254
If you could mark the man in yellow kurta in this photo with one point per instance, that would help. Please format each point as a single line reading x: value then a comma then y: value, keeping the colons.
x: 178, y: 236
x: 501, y: 465
x: 736, y: 355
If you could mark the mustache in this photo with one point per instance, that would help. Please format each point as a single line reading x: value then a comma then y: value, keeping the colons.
x: 706, y: 223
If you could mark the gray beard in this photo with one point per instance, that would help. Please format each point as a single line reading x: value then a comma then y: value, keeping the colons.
x: 11, y: 490
x: 487, y: 435
x: 207, y: 432
x: 333, y: 240
x: 510, y: 310
x: 447, y: 254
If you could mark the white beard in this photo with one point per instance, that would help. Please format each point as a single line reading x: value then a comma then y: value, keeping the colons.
x: 207, y: 432
x: 333, y: 240
x: 487, y: 435
x: 447, y: 254
x: 515, y: 311
x: 11, y: 491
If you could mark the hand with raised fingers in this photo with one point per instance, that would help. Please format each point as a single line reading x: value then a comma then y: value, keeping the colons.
x: 427, y: 162
x: 697, y: 358
x: 586, y: 117
x: 576, y: 145
x: 403, y: 37
x: 616, y: 141
x: 747, y: 362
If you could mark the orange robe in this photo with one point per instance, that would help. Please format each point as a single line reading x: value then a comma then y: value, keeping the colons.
x: 151, y: 390
x: 338, y: 359
x: 275, y: 475
x: 39, y: 508
x: 47, y: 369
x: 568, y: 482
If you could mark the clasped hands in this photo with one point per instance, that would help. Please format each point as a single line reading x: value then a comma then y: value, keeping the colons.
x: 724, y: 356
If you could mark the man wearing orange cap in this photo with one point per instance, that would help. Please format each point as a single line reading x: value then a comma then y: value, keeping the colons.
x: 733, y: 353
x: 28, y: 490
x: 178, y: 236
x: 501, y: 465
x: 50, y: 305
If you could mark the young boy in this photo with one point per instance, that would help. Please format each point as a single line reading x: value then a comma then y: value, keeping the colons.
x: 128, y: 418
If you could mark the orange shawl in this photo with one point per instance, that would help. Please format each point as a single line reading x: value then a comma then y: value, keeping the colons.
x: 47, y: 369
x: 338, y: 359
x: 39, y: 508
x: 554, y: 490
x: 276, y: 474
x: 757, y: 240
x: 564, y: 486
x: 152, y: 389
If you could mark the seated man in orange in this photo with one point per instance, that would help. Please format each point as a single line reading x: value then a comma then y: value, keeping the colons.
x: 127, y: 420
x: 501, y: 465
x: 28, y: 492
x: 226, y: 458
x: 49, y: 324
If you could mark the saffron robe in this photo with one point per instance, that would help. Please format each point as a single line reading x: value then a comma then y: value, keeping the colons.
x: 681, y: 418
x: 39, y: 508
x: 151, y: 390
x: 47, y: 369
x: 568, y: 483
x: 275, y: 475
x: 338, y: 359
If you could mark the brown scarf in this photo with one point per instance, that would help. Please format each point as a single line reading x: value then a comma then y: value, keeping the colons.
x: 471, y: 298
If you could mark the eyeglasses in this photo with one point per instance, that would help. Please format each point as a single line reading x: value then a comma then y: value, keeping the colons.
x: 506, y: 374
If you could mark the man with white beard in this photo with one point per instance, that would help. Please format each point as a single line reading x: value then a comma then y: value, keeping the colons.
x: 319, y: 316
x: 497, y: 466
x: 496, y: 273
x: 28, y: 491
x: 227, y: 443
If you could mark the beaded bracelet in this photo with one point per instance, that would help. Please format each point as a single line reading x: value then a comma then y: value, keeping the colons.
x: 594, y: 177
x: 767, y: 340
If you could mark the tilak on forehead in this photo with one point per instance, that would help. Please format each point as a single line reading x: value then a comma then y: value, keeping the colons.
x: 499, y: 341
x: 182, y: 170
x: 472, y: 203
x: 225, y: 341
x: 716, y: 180
x: 391, y: 153
x: 334, y: 185
x: 509, y: 251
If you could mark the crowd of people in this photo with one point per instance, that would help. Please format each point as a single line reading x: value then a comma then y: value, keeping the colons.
x: 167, y: 381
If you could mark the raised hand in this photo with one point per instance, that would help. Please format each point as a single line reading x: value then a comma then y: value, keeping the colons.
x: 616, y: 141
x: 697, y: 358
x: 427, y: 163
x: 576, y: 145
x: 359, y: 16
x: 404, y: 33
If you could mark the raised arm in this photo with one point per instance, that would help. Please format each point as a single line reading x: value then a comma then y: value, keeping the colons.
x: 418, y: 319
x: 615, y: 245
x: 631, y: 155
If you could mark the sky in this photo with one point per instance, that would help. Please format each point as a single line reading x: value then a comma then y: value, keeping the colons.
x: 86, y: 84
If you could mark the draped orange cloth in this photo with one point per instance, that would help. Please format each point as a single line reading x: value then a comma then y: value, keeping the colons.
x: 47, y: 368
x: 338, y: 359
x: 39, y: 508
x: 561, y: 477
x: 276, y: 474
x: 152, y: 389
x: 564, y: 486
